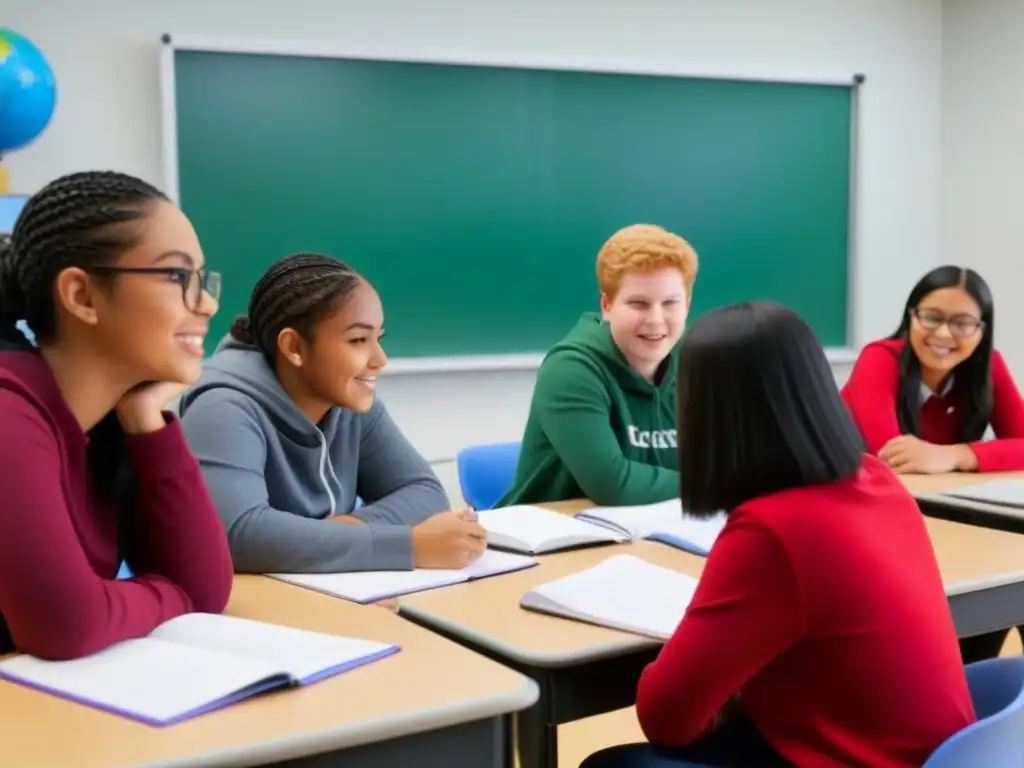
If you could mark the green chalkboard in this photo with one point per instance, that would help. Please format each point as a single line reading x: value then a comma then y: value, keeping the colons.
x: 475, y: 198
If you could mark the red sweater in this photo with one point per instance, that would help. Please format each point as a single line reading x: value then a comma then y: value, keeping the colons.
x: 58, y: 541
x: 824, y: 608
x: 872, y: 389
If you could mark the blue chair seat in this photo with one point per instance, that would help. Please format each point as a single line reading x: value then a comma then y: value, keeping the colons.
x: 486, y: 472
x: 996, y: 740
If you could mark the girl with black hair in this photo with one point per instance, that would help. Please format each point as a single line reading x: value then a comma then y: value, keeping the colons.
x: 924, y: 397
x: 820, y: 633
x: 110, y: 278
x: 290, y: 435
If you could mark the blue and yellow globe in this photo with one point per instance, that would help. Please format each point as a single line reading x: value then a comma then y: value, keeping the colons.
x: 28, y: 91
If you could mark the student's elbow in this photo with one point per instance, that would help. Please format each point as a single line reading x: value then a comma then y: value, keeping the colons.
x: 61, y: 633
x: 211, y: 591
x: 667, y: 721
x: 249, y: 555
x: 613, y: 489
x: 603, y: 488
x: 668, y: 728
x: 603, y: 495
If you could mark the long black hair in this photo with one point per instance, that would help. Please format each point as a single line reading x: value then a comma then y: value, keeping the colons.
x: 973, y: 375
x: 758, y: 409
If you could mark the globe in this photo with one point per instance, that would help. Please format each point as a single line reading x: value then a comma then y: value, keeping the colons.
x: 28, y: 92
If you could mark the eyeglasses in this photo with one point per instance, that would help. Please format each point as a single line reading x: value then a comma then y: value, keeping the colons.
x: 194, y: 282
x: 960, y: 326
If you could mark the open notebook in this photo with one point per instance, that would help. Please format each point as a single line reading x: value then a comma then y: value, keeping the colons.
x: 370, y: 586
x: 1004, y: 493
x: 623, y: 592
x: 535, y: 530
x: 194, y: 664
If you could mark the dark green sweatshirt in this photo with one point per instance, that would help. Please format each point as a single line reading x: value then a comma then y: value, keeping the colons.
x: 597, y: 428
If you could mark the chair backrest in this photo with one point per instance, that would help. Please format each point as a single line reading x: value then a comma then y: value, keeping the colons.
x: 997, y: 739
x: 486, y: 472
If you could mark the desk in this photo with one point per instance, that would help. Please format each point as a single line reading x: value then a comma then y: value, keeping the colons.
x: 584, y: 670
x: 927, y: 490
x: 432, y: 704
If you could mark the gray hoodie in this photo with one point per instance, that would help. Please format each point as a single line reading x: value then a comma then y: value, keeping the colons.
x: 274, y: 475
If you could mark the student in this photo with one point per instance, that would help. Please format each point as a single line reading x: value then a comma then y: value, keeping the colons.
x: 288, y: 432
x: 602, y: 420
x: 110, y: 278
x: 819, y: 634
x: 924, y: 397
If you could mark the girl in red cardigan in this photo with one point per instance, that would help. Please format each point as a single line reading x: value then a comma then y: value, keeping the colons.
x: 924, y: 397
x: 820, y: 633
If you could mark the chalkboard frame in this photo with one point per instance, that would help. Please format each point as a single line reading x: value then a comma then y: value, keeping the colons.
x: 171, y: 43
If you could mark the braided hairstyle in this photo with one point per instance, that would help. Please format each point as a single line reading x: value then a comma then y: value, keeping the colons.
x: 296, y: 292
x: 79, y: 220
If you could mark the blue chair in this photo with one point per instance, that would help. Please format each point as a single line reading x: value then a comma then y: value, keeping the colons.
x: 486, y: 472
x: 997, y: 739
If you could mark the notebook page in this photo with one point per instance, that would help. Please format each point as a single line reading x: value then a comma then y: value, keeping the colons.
x: 702, y: 533
x: 639, y: 520
x: 368, y: 586
x: 537, y: 527
x: 1007, y: 493
x: 623, y: 592
x: 493, y: 562
x: 305, y: 655
x: 152, y: 680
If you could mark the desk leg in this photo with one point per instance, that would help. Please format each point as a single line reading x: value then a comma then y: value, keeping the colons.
x: 536, y: 733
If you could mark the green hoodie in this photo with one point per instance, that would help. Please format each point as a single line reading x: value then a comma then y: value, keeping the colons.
x: 597, y: 428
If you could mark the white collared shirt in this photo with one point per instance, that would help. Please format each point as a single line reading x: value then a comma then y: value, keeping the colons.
x: 927, y: 393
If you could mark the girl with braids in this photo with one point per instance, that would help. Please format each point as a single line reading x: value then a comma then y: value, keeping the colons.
x: 288, y: 432
x: 925, y: 397
x: 109, y: 276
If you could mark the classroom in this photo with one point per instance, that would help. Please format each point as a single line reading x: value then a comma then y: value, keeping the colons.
x: 904, y: 154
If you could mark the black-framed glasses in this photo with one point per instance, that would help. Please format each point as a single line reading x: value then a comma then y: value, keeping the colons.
x: 194, y: 282
x: 960, y: 326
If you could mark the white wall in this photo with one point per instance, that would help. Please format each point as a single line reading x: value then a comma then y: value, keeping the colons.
x: 105, y: 56
x: 983, y: 138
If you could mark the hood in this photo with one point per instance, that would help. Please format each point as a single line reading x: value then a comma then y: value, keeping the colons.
x: 593, y: 337
x: 242, y: 367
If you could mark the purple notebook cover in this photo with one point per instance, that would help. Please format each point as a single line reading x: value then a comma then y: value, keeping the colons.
x: 276, y: 682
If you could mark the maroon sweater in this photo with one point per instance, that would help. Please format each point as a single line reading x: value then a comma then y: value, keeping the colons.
x: 59, y: 549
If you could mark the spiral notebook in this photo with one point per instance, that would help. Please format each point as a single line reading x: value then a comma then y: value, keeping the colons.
x: 194, y: 664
